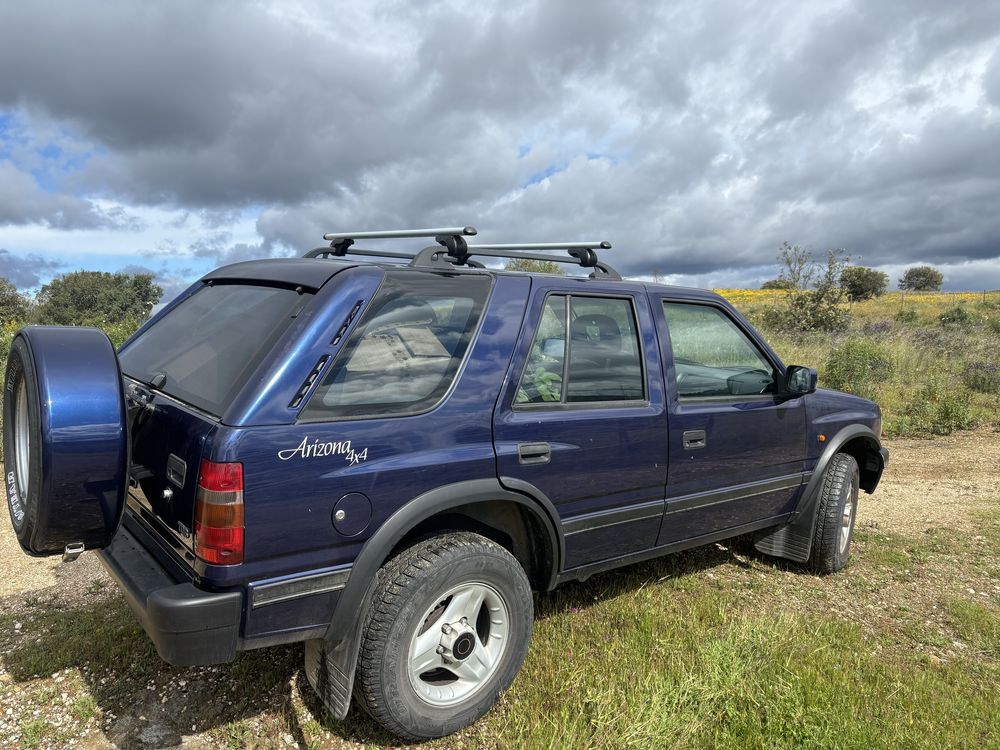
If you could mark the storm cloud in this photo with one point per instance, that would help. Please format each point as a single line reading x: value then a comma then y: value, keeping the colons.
x: 697, y: 136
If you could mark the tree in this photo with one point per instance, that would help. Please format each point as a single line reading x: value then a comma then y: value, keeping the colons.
x: 813, y: 295
x: 798, y: 266
x: 921, y: 279
x: 14, y: 306
x: 780, y: 284
x: 860, y: 283
x: 96, y: 298
x: 534, y: 266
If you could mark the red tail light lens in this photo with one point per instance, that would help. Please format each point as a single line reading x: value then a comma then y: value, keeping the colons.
x: 218, y: 513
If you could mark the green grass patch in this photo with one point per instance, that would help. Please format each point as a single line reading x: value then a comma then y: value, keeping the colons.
x: 34, y: 732
x: 977, y: 624
x: 706, y: 671
x: 53, y: 639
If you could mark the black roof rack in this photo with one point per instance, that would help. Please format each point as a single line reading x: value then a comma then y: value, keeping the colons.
x: 453, y: 250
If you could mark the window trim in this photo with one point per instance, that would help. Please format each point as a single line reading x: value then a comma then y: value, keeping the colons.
x: 779, y: 368
x: 348, y: 339
x: 562, y: 404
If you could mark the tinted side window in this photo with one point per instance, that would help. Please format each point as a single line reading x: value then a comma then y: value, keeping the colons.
x: 542, y: 380
x: 604, y: 360
x: 210, y: 344
x: 406, y: 351
x: 712, y: 356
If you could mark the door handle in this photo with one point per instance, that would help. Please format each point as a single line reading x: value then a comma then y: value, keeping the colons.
x: 694, y: 439
x: 533, y: 453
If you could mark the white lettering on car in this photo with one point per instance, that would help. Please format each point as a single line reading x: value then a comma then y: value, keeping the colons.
x: 318, y: 449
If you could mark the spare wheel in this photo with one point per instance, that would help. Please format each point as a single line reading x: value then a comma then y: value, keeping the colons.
x: 65, y: 439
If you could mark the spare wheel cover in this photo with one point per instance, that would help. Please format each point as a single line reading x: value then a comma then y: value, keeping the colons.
x: 65, y: 438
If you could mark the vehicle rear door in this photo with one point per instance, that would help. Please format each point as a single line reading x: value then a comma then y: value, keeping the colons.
x: 581, y: 417
x: 737, y: 446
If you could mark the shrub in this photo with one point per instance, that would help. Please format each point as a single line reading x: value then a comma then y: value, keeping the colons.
x: 781, y: 284
x: 907, y: 315
x: 857, y: 366
x: 812, y: 300
x: 956, y: 316
x: 993, y: 324
x: 860, y: 283
x: 982, y: 376
x: 934, y: 410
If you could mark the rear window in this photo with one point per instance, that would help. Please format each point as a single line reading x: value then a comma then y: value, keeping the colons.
x: 406, y: 351
x: 209, y: 345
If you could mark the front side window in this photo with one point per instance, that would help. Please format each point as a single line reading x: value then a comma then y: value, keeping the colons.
x: 404, y: 355
x: 712, y: 357
x: 600, y: 359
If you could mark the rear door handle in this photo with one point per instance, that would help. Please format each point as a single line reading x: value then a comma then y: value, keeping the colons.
x: 533, y: 453
x: 694, y: 439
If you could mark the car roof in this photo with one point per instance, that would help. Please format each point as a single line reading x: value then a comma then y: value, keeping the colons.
x: 315, y: 272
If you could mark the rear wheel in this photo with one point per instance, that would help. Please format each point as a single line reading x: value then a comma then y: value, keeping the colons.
x: 446, y: 634
x: 837, y: 511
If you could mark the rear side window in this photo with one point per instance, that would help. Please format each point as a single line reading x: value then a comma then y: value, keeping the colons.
x: 406, y: 351
x: 604, y: 362
x: 209, y: 345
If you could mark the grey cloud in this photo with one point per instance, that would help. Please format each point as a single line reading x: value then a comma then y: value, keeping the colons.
x: 23, y: 201
x: 25, y: 271
x: 696, y: 135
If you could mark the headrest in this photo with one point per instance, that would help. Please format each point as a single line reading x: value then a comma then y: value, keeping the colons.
x: 596, y: 329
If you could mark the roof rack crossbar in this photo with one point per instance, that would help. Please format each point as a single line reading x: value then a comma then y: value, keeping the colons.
x: 602, y: 245
x: 580, y: 254
x: 453, y: 250
x: 388, y: 234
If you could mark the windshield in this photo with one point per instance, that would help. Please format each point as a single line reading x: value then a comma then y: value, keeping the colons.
x: 209, y: 345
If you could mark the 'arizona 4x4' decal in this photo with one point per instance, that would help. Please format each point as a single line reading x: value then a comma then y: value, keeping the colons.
x: 317, y: 449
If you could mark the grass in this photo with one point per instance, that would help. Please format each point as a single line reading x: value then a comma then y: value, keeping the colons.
x: 977, y: 624
x: 930, y: 360
x: 707, y: 649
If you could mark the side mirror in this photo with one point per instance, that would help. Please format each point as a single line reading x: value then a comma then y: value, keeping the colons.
x: 799, y: 380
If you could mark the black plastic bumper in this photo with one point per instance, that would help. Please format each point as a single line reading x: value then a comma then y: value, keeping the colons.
x: 188, y: 626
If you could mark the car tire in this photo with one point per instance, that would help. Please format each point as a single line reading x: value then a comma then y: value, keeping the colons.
x: 446, y: 634
x: 836, y: 514
x: 65, y: 439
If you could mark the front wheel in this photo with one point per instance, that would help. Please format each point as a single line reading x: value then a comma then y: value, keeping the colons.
x: 446, y: 634
x: 838, y: 505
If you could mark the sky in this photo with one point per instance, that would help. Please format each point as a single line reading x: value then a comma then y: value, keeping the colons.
x: 695, y: 136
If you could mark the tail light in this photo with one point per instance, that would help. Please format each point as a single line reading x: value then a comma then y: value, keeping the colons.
x: 218, y: 513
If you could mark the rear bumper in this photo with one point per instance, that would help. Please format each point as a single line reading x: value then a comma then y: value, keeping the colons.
x: 188, y: 626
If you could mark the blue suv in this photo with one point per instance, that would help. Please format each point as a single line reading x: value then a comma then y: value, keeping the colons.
x: 383, y: 457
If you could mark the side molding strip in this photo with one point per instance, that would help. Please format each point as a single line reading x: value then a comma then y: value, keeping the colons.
x: 642, y: 511
x: 296, y: 587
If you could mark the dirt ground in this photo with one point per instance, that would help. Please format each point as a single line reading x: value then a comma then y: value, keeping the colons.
x: 930, y: 486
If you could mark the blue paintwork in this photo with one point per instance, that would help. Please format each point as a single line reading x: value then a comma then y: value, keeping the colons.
x: 829, y: 411
x: 606, y: 460
x: 83, y: 434
x: 603, y: 457
x: 748, y: 439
